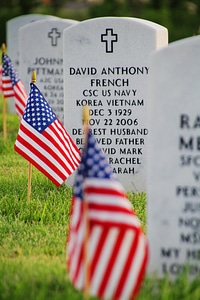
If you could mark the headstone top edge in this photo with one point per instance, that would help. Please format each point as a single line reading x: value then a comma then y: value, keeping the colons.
x: 123, y: 19
x: 57, y: 20
x: 108, y: 20
x: 29, y: 16
x: 183, y: 43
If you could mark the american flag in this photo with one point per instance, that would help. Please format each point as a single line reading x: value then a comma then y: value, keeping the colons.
x: 117, y: 246
x: 1, y: 79
x: 43, y: 140
x: 12, y: 85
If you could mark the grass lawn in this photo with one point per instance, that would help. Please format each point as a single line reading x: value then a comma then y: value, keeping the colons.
x: 33, y: 235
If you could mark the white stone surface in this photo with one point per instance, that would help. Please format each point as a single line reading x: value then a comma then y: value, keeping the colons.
x: 174, y: 159
x: 106, y: 65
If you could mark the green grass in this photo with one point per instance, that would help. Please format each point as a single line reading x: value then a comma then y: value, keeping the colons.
x: 33, y: 235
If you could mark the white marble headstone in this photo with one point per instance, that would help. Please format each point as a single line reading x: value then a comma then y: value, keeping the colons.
x: 106, y: 66
x: 174, y: 159
x: 41, y: 49
x: 12, y: 41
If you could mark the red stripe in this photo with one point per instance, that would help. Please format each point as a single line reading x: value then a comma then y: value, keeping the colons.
x: 75, y: 151
x: 110, y: 265
x: 19, y: 110
x: 108, y: 223
x: 20, y: 102
x: 6, y: 80
x: 8, y: 91
x: 8, y: 95
x: 110, y: 208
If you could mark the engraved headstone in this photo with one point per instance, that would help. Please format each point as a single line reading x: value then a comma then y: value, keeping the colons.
x: 174, y: 159
x: 106, y: 67
x: 41, y: 49
x: 12, y: 41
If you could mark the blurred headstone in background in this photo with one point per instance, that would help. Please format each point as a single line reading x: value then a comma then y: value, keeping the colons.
x: 41, y: 49
x: 12, y: 41
x: 173, y: 159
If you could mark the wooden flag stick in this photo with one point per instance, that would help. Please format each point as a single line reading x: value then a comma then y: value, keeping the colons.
x: 86, y: 218
x: 30, y: 165
x: 29, y: 181
x: 3, y: 48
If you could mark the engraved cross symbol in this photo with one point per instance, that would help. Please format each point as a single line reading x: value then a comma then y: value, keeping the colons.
x: 109, y: 38
x: 54, y: 34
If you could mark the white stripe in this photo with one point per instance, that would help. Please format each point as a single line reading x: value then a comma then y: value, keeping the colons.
x: 39, y: 161
x: 106, y: 183
x: 74, y: 219
x: 94, y: 240
x: 74, y: 258
x: 7, y: 85
x: 135, y: 267
x: 117, y: 201
x: 105, y: 256
x: 114, y: 279
x: 8, y: 93
x: 77, y: 212
x: 116, y: 217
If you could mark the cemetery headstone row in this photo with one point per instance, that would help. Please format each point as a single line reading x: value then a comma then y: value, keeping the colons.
x: 143, y: 106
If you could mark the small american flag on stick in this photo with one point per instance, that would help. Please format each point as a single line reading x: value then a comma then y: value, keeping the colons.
x: 43, y: 140
x: 117, y: 247
x: 1, y: 79
x: 12, y: 85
